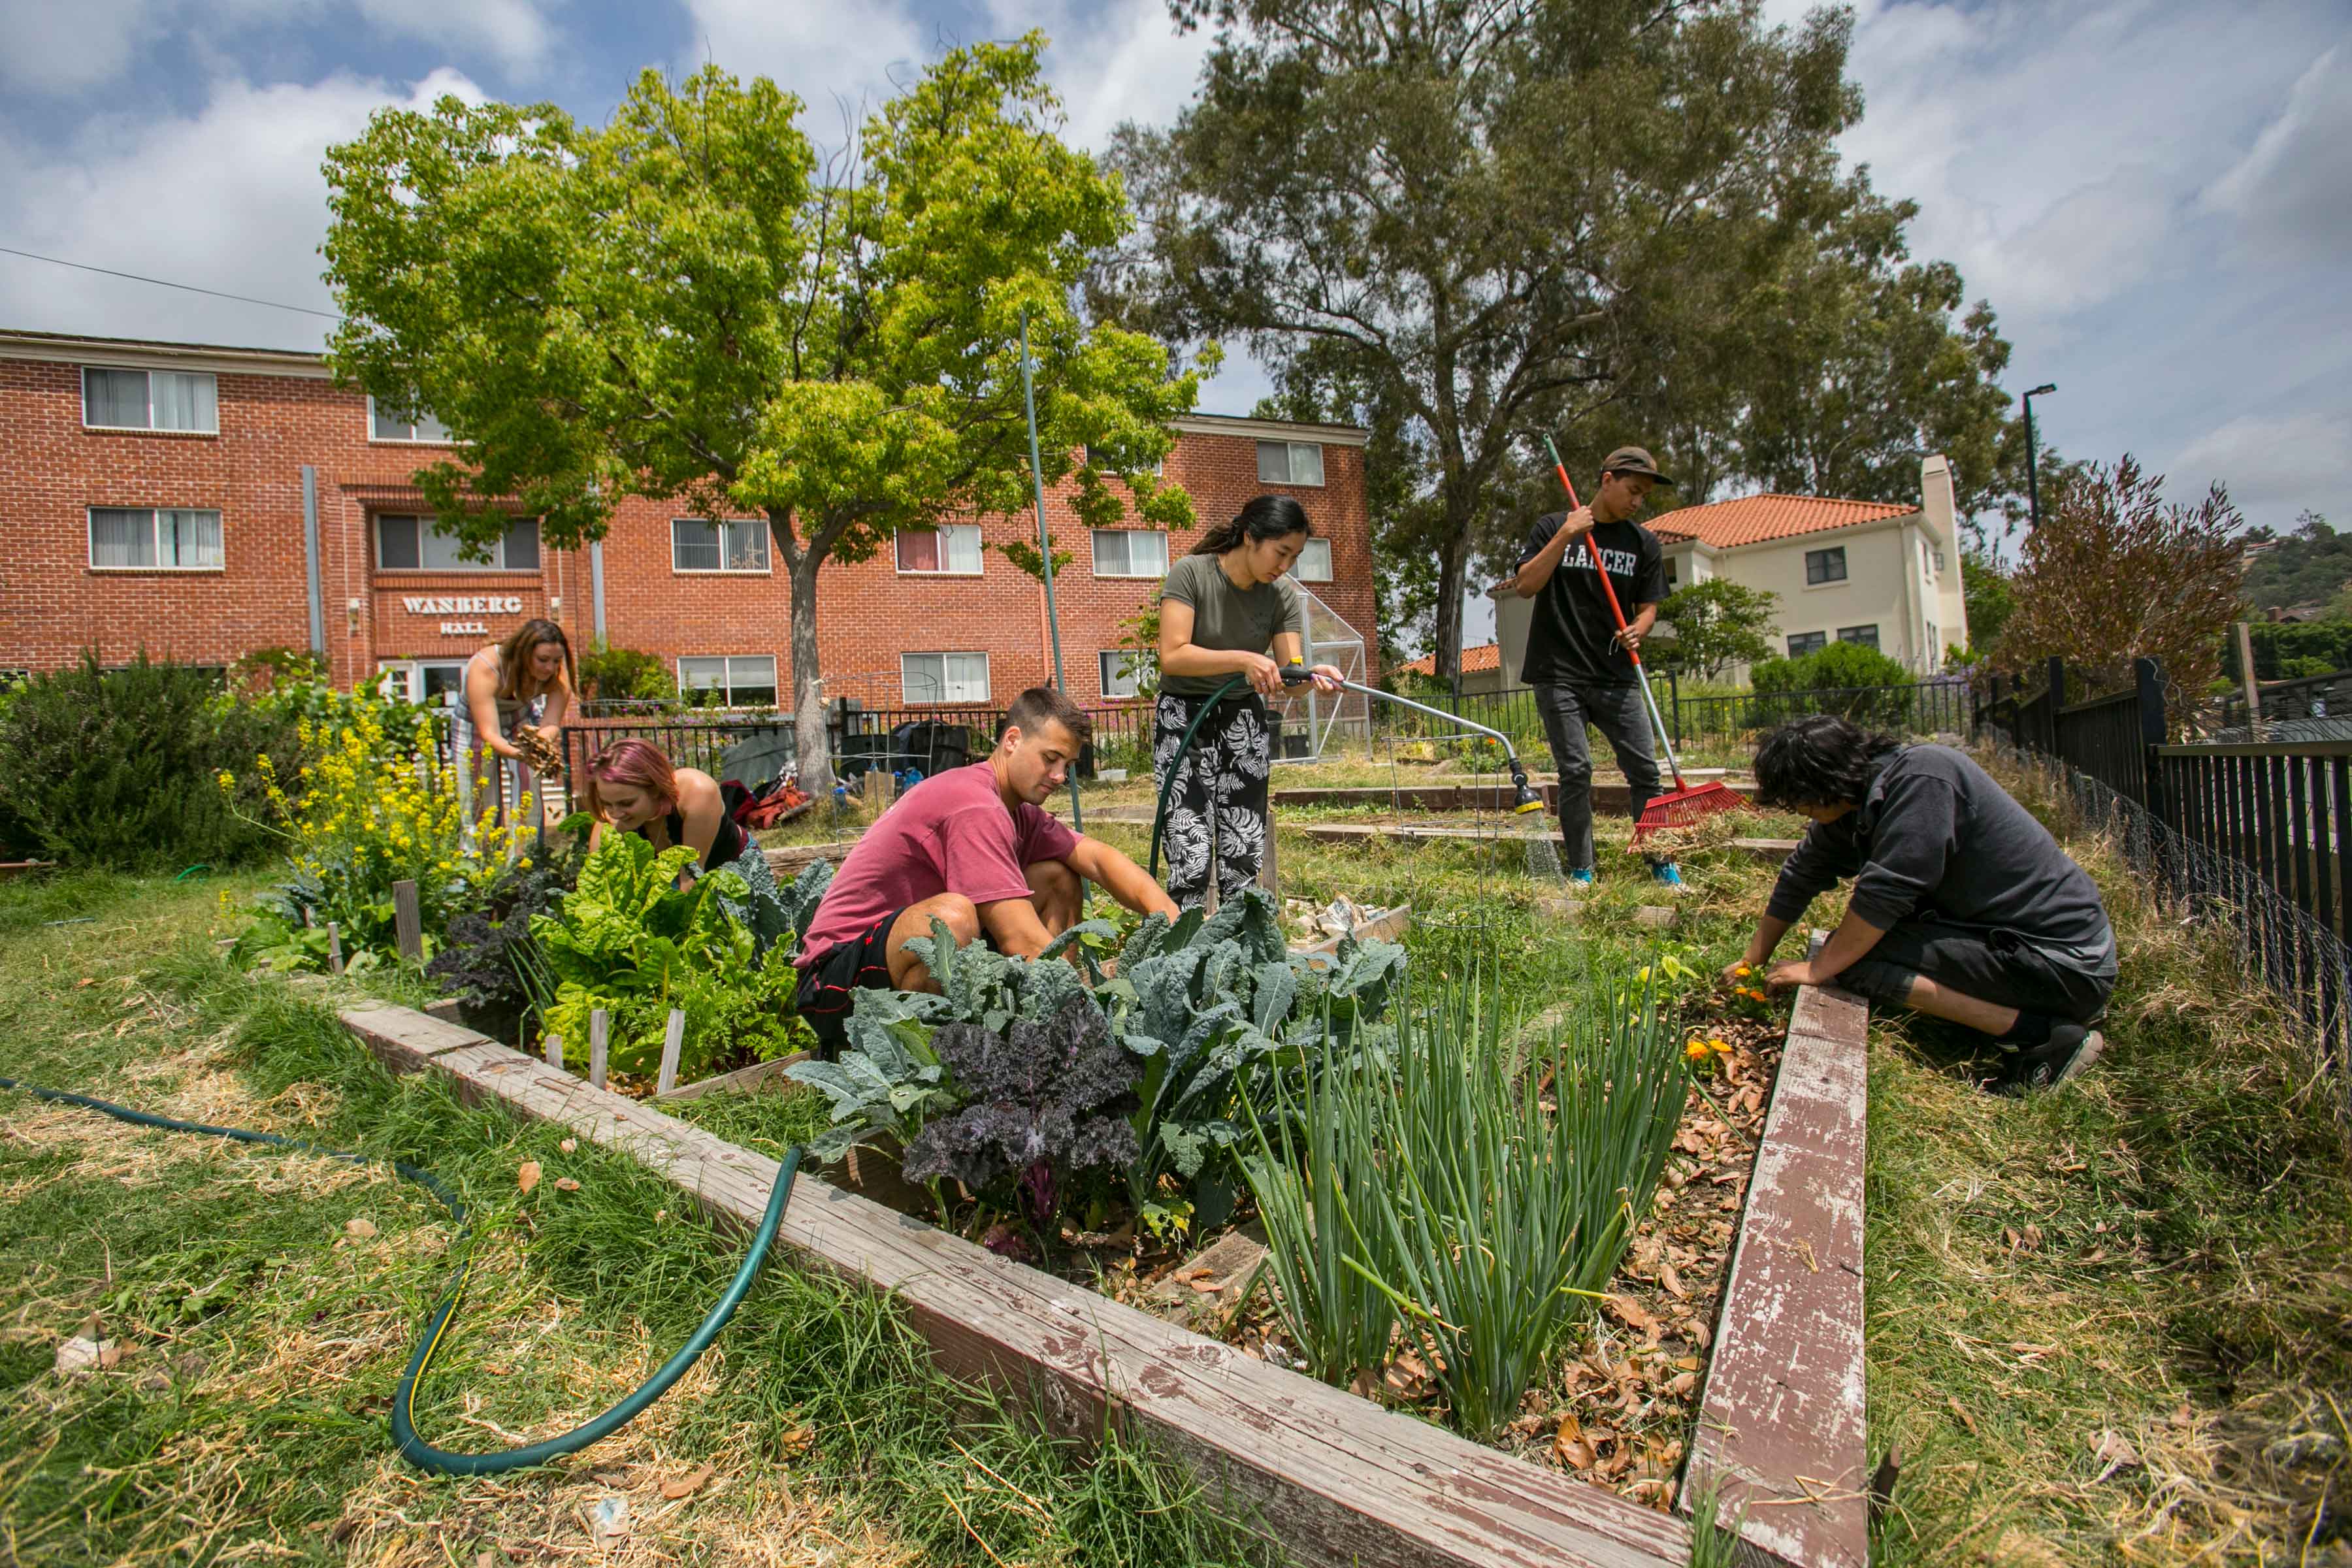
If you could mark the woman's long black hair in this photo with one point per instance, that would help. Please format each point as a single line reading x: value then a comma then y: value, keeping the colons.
x: 1265, y: 518
x: 1819, y: 760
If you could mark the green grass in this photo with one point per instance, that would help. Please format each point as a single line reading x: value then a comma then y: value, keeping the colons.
x: 262, y: 1336
x: 2174, y: 1230
x: 2158, y: 1252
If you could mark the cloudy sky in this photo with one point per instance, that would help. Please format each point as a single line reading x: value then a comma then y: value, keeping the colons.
x: 2154, y: 194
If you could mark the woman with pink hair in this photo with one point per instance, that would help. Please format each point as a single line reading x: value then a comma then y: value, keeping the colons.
x: 630, y: 787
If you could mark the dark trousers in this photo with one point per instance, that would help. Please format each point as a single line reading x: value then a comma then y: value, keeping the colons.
x: 1991, y: 965
x: 1619, y: 713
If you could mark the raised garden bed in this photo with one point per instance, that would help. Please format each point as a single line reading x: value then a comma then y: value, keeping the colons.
x: 1336, y: 1476
x: 1607, y: 795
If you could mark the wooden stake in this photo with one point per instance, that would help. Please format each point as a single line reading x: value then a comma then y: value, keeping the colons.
x: 673, y: 1038
x: 2246, y: 674
x: 408, y: 922
x: 335, y: 948
x: 555, y: 1052
x: 600, y: 1025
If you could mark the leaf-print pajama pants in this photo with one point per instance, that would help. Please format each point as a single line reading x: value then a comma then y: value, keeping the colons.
x: 1220, y: 794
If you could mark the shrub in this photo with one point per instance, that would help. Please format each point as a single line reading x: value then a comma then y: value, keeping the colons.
x: 1849, y: 679
x: 116, y: 767
x: 371, y: 807
x: 610, y: 672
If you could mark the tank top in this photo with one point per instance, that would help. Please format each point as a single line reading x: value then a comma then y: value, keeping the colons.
x: 728, y: 846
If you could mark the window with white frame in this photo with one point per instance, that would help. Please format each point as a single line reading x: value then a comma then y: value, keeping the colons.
x: 386, y: 425
x: 1122, y: 672
x: 1674, y: 574
x: 1131, y: 552
x: 1289, y: 463
x: 1803, y: 643
x: 1866, y: 635
x: 1314, y: 562
x: 430, y: 681
x: 408, y: 544
x: 942, y: 678
x: 149, y: 400
x: 740, y: 681
x: 733, y: 544
x: 158, y: 539
x: 949, y: 551
x: 1940, y: 561
x: 1824, y: 566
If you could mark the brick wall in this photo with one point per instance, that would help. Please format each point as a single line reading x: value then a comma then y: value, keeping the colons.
x: 54, y: 603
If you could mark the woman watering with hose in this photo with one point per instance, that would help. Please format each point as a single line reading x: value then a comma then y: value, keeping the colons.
x: 1227, y: 610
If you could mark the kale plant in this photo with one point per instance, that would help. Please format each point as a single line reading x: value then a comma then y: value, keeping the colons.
x: 1042, y: 1100
x: 1207, y: 1010
x: 488, y: 960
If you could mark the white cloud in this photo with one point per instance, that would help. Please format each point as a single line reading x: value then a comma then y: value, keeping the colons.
x: 57, y: 49
x: 2294, y: 186
x: 831, y: 55
x: 230, y: 197
x: 1111, y: 61
x: 2273, y: 469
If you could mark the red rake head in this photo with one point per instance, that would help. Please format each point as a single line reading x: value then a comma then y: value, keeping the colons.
x: 1685, y: 808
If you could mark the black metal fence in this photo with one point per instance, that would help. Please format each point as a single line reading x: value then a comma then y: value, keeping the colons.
x: 926, y: 740
x: 2315, y: 697
x: 1921, y: 707
x: 2258, y: 834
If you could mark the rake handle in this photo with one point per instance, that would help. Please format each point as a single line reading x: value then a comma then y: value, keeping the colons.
x: 1608, y: 591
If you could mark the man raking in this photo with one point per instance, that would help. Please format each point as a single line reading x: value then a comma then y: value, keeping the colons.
x: 1577, y: 659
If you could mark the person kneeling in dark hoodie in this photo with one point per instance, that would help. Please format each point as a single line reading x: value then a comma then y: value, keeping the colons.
x: 1964, y: 908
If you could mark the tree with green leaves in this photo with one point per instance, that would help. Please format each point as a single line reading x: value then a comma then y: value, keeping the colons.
x: 688, y: 304
x: 1718, y: 623
x: 1866, y: 361
x: 1460, y: 226
x: 2116, y: 573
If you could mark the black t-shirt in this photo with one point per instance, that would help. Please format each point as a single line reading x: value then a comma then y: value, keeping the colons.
x: 1572, y: 636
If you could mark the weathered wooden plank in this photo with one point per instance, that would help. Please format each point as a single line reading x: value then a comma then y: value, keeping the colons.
x: 673, y: 1039
x: 1496, y: 795
x: 1771, y: 852
x: 795, y: 857
x: 758, y: 1075
x: 1336, y: 1478
x: 1781, y: 1417
x: 1363, y: 832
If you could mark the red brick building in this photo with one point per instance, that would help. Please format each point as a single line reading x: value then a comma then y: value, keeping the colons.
x: 204, y: 503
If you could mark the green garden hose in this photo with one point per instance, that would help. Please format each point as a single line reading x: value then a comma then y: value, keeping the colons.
x: 413, y: 1447
x: 1524, y: 798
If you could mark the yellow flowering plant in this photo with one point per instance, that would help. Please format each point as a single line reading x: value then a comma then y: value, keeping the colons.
x: 372, y: 804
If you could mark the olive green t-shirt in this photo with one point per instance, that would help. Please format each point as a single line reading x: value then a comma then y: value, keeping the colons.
x: 1227, y: 618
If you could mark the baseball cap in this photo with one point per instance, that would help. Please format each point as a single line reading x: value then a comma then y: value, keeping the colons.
x: 1634, y: 460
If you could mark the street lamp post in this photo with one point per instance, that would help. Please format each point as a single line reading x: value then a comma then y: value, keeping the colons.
x: 2033, y: 458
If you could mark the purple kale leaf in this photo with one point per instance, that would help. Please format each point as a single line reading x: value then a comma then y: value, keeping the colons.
x: 1045, y: 1099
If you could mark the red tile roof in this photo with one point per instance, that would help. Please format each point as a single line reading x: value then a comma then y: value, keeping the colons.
x: 1486, y: 656
x: 1755, y: 519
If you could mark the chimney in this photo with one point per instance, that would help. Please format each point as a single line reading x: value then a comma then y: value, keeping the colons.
x: 1935, y: 498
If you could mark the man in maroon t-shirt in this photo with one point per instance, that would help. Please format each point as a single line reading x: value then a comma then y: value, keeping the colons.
x: 974, y: 847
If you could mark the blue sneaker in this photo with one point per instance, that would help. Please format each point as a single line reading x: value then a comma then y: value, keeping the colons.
x: 1663, y: 871
x: 1581, y: 876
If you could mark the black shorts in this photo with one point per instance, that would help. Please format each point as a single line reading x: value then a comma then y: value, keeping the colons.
x: 830, y: 985
x: 1996, y: 966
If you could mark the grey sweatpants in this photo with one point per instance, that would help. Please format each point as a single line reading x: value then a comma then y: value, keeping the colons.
x: 1617, y: 712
